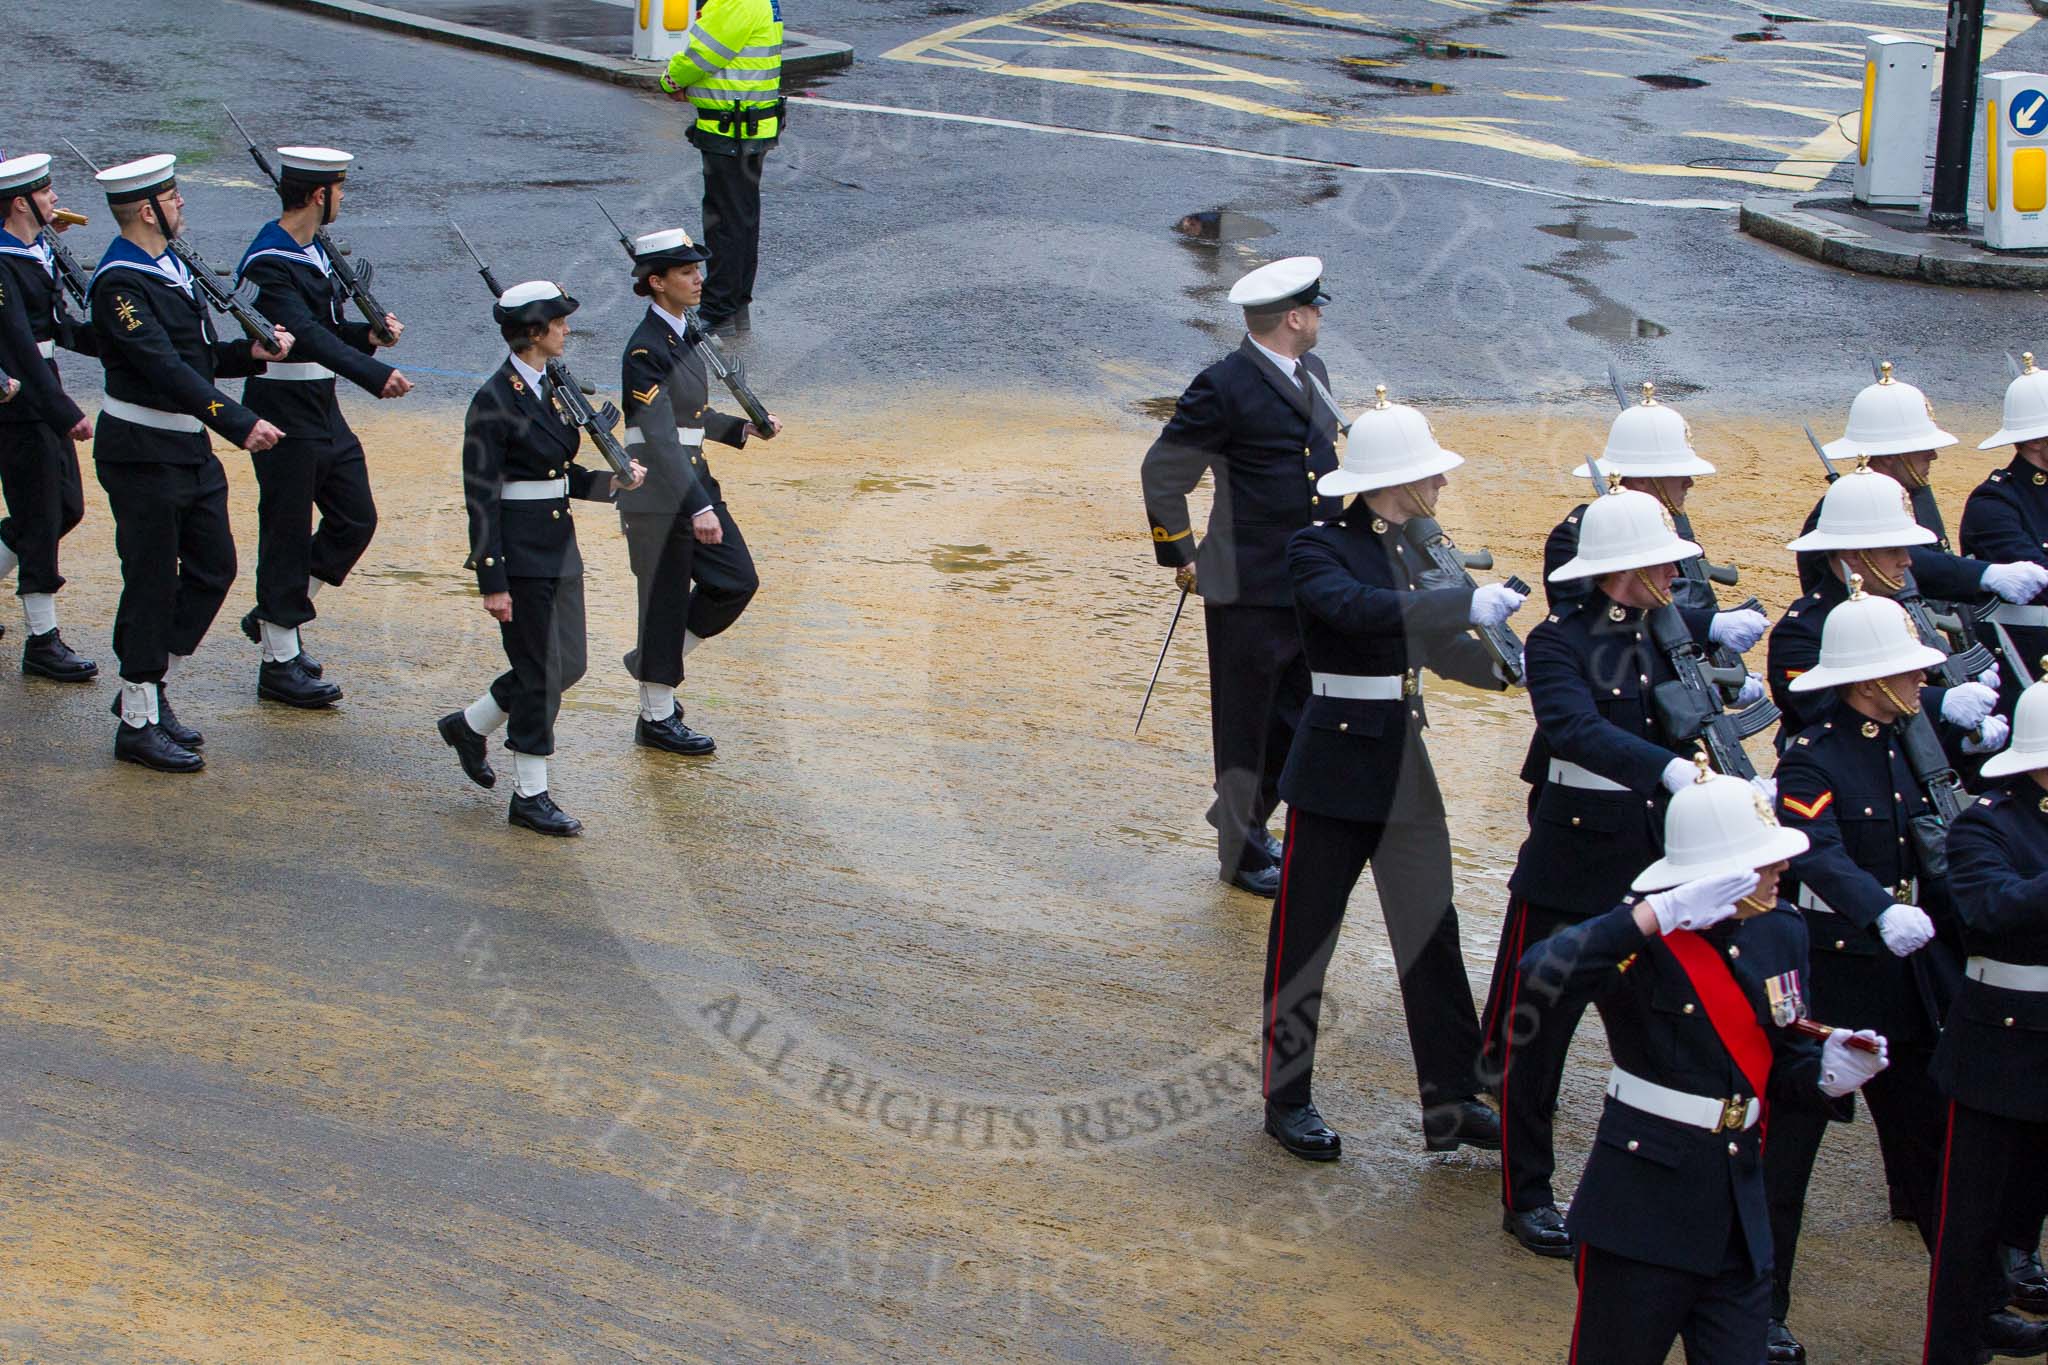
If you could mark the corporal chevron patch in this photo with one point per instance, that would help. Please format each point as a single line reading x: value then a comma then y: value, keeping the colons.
x: 1809, y: 809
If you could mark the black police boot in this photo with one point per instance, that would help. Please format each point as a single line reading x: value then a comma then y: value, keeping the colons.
x: 1260, y: 881
x: 670, y: 735
x: 1301, y: 1130
x: 1540, y: 1230
x: 1461, y: 1123
x: 2009, y: 1334
x: 471, y: 749
x: 254, y: 631
x: 290, y: 683
x: 152, y: 748
x: 2026, y: 1279
x: 1781, y: 1347
x: 179, y: 733
x: 541, y: 815
x: 47, y: 656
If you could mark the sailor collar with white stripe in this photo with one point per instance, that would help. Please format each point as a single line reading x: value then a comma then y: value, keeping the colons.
x: 273, y: 240
x: 34, y: 249
x: 123, y: 254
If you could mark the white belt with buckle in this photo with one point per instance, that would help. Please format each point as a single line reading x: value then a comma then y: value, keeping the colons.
x: 534, y: 490
x: 149, y: 417
x: 1572, y: 775
x: 2010, y: 614
x: 1905, y: 893
x: 1357, y: 687
x: 295, y: 370
x: 1697, y: 1111
x: 2007, y: 976
x: 689, y: 436
x: 47, y: 349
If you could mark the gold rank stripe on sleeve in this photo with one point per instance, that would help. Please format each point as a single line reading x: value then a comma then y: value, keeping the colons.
x: 1809, y: 809
x: 1792, y: 673
x: 646, y: 395
x: 1163, y: 536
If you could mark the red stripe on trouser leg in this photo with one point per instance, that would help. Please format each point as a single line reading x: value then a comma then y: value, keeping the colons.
x: 1520, y: 909
x: 1279, y: 955
x: 1948, y: 1151
x: 1579, y: 1312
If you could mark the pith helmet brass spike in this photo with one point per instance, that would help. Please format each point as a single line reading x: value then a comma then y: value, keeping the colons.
x: 2026, y: 362
x: 1855, y: 587
x: 1706, y: 773
x: 1884, y: 373
x: 1649, y: 394
x: 1862, y: 463
x: 1380, y: 396
x: 1613, y: 485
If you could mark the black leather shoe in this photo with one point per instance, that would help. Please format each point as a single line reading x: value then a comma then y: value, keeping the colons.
x: 1260, y: 881
x: 1781, y: 1347
x: 2009, y: 1334
x: 1461, y: 1123
x: 541, y: 815
x: 47, y: 656
x: 673, y: 737
x: 254, y: 631
x: 1301, y: 1130
x: 179, y: 733
x: 471, y: 749
x: 1274, y: 848
x: 152, y: 748
x: 2025, y: 1278
x: 1540, y: 1230
x: 290, y: 683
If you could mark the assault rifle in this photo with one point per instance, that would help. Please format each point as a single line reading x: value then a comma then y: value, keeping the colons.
x: 1689, y: 708
x: 1452, y: 568
x: 218, y: 291
x: 1930, y: 765
x: 74, y: 278
x: 730, y: 373
x: 597, y: 423
x: 354, y: 278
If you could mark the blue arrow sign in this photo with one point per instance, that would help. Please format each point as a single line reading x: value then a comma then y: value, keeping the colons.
x: 2029, y: 112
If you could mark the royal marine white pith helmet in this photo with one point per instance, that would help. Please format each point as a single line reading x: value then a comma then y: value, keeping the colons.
x: 1718, y: 825
x: 1888, y: 418
x: 1865, y: 637
x: 2028, y: 750
x: 1649, y: 440
x: 1390, y: 444
x: 2026, y: 407
x: 1864, y: 510
x: 1624, y: 530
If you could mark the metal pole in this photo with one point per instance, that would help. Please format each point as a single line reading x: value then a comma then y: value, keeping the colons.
x: 1958, y: 115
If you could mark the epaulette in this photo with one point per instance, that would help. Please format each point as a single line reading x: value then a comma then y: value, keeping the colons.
x: 1625, y: 963
x: 1983, y: 800
x: 1802, y: 740
x: 641, y: 351
x: 1997, y: 476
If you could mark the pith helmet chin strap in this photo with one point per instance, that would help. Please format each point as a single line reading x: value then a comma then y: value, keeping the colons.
x: 1657, y: 594
x: 1901, y: 707
x: 1890, y: 584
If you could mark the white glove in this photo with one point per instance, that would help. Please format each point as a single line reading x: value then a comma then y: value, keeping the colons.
x: 1738, y: 630
x: 1697, y: 904
x: 1990, y: 739
x: 1495, y: 603
x: 1768, y: 786
x: 1991, y: 677
x: 1844, y: 1068
x: 2019, y: 581
x: 1905, y: 929
x: 1677, y: 773
x: 1752, y: 690
x: 1966, y: 705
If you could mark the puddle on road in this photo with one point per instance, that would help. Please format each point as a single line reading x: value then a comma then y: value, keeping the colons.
x: 881, y: 483
x: 976, y: 558
x: 1606, y: 318
x: 1611, y: 322
x: 1768, y: 35
x: 1399, y: 85
x: 1665, y: 81
x: 1223, y: 225
x: 1586, y: 232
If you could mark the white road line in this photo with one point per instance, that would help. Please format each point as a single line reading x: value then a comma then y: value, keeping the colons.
x: 1348, y: 167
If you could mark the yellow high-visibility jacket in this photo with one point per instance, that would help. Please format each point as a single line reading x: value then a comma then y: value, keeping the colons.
x: 733, y: 69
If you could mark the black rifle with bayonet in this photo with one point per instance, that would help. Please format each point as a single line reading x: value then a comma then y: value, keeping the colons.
x: 354, y: 278
x: 74, y: 278
x: 1450, y: 568
x: 730, y: 373
x: 597, y: 423
x: 1690, y: 708
x: 219, y: 292
x: 1939, y: 625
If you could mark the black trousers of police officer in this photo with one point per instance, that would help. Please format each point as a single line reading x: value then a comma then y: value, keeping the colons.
x: 177, y: 558
x: 1258, y: 684
x: 1411, y: 867
x: 544, y: 643
x: 684, y: 586
x: 1528, y: 1032
x: 1903, y: 1099
x: 295, y: 478
x: 1990, y: 1187
x: 45, y: 499
x: 732, y: 225
x: 1631, y: 1311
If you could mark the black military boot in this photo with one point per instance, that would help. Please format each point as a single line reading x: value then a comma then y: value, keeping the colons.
x: 2009, y: 1334
x: 1461, y: 1123
x: 179, y: 733
x: 541, y: 815
x: 2026, y: 1279
x: 471, y: 749
x: 290, y: 683
x: 254, y: 631
x: 1301, y: 1130
x: 152, y: 748
x: 1781, y: 1347
x: 47, y: 656
x: 670, y: 735
x: 1540, y: 1230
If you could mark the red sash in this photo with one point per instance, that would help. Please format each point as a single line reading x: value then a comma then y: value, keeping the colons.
x: 1728, y: 1009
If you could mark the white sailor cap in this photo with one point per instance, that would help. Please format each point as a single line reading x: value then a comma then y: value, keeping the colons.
x: 533, y: 301
x: 1294, y: 282
x: 670, y: 244
x: 24, y: 174
x: 134, y: 180
x: 320, y: 165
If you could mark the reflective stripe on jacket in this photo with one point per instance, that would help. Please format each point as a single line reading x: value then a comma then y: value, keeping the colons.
x: 732, y: 68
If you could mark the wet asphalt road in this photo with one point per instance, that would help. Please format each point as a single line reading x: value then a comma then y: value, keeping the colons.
x: 315, y: 1060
